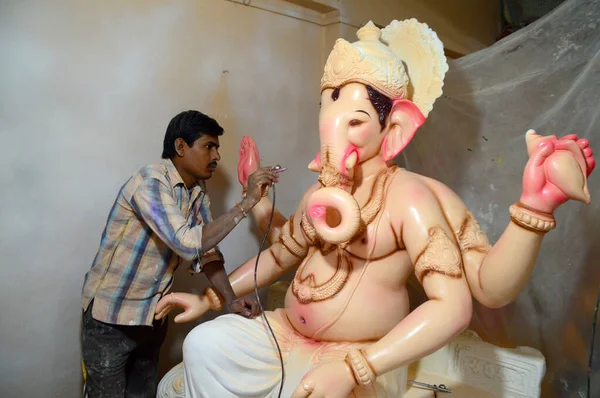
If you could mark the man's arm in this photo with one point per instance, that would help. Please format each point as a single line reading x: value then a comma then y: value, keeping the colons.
x: 219, y: 228
x: 215, y: 231
x: 154, y: 202
x: 274, y: 262
x: 436, y: 256
x: 217, y: 276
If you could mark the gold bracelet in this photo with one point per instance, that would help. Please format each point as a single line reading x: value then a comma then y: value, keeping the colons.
x: 241, y: 209
x: 531, y: 219
x: 363, y: 373
x: 286, y: 237
x: 214, y: 299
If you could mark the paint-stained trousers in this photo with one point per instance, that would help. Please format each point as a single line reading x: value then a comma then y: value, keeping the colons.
x: 121, y: 361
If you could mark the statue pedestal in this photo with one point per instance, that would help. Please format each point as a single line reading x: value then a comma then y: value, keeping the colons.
x: 171, y: 385
x: 467, y: 365
x: 471, y: 367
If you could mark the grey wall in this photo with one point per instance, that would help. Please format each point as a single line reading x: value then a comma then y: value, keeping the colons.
x: 86, y: 92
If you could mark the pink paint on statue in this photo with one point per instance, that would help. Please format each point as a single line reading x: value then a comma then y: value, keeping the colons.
x: 301, y: 315
x: 415, y: 113
x: 554, y: 163
x: 249, y: 160
x: 407, y: 114
x: 317, y: 211
x: 327, y: 129
x: 312, y: 343
x: 363, y: 134
x: 417, y: 193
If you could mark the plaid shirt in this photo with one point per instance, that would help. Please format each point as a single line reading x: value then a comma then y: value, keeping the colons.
x: 154, y: 223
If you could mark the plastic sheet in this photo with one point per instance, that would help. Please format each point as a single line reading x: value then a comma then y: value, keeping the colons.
x: 546, y: 77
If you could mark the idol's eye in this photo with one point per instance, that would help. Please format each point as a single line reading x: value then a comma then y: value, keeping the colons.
x: 356, y: 122
x: 335, y: 94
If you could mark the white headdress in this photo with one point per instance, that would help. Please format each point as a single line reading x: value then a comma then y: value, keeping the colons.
x: 404, y: 60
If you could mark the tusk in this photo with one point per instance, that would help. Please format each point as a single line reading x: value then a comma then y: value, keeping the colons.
x: 351, y: 161
x: 313, y: 166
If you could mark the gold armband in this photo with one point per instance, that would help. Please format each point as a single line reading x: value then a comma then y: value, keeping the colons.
x: 216, y: 303
x: 531, y: 219
x: 309, y: 231
x: 363, y: 373
x: 289, y: 242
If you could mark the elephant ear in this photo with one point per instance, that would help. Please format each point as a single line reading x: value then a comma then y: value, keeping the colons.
x: 405, y: 120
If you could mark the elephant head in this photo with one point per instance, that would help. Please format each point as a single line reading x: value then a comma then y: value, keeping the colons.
x: 366, y: 119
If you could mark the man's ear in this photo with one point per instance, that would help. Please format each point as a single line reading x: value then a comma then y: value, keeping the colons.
x: 405, y: 120
x: 180, y: 144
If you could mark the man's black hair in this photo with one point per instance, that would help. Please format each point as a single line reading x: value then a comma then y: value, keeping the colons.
x: 189, y: 125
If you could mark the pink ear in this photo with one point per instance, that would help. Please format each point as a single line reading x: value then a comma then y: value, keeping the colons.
x: 405, y: 120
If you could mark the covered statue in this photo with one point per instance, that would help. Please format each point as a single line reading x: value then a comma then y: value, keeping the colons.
x: 362, y: 230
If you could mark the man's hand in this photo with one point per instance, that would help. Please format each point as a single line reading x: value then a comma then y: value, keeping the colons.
x: 259, y: 183
x: 246, y: 306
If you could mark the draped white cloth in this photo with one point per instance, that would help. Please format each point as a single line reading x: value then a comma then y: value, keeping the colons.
x: 236, y: 357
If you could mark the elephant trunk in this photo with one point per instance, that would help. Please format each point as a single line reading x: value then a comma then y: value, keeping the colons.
x: 332, y: 210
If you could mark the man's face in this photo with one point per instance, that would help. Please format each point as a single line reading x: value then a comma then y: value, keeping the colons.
x: 202, y: 157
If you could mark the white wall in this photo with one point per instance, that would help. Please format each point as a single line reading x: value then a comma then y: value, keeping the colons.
x: 87, y: 90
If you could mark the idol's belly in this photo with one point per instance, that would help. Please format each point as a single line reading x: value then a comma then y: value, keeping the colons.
x: 375, y: 307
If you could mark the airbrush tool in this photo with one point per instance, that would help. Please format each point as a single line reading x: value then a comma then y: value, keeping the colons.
x: 434, y: 387
x: 278, y: 169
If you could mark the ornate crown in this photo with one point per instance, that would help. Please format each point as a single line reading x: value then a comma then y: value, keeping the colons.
x: 405, y: 60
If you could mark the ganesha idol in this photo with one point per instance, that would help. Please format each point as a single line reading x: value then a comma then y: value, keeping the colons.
x: 359, y: 233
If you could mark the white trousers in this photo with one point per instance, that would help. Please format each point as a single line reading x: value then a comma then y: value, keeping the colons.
x: 236, y: 357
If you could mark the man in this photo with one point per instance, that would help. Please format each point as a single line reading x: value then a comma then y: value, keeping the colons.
x: 161, y: 216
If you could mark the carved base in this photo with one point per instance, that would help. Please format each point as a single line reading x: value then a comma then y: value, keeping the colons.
x: 171, y: 385
x: 471, y: 367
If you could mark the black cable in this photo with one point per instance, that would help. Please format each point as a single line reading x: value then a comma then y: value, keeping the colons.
x: 258, y: 298
x: 591, y: 359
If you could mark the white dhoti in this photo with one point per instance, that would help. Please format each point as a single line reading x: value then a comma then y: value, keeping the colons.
x: 233, y: 356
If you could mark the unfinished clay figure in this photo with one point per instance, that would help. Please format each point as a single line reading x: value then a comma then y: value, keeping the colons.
x: 362, y: 230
